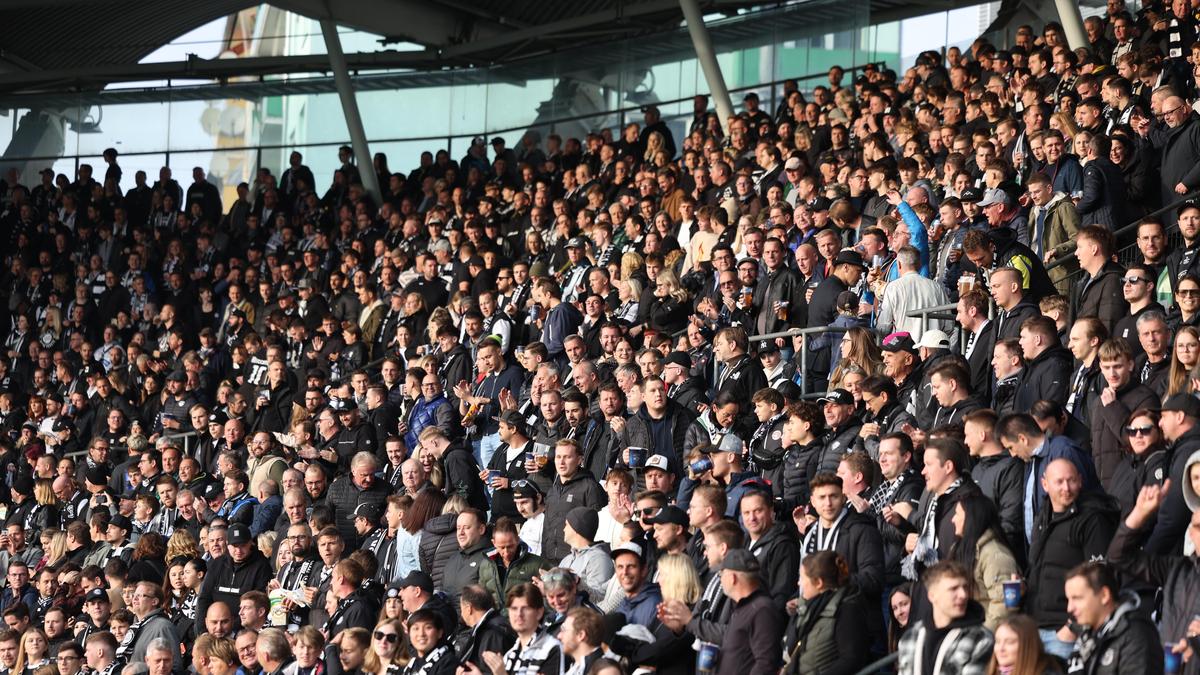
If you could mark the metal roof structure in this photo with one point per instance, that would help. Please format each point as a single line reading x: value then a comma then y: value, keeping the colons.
x: 55, y: 50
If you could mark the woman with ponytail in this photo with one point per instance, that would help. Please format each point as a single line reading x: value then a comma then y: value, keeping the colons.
x: 826, y: 635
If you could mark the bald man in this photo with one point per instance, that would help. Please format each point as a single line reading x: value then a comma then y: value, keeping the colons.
x: 1179, y: 143
x: 1076, y: 528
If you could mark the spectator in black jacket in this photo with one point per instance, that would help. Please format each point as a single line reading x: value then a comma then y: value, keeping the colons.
x: 840, y: 527
x: 774, y: 544
x: 751, y: 642
x: 572, y: 488
x: 1100, y: 292
x: 1118, y: 636
x: 737, y: 371
x: 1178, y: 422
x: 1000, y: 476
x: 244, y: 568
x: 1075, y: 529
x: 1047, y: 373
x: 1012, y: 307
x: 361, y: 486
x: 1122, y: 394
x: 458, y: 466
x: 488, y: 630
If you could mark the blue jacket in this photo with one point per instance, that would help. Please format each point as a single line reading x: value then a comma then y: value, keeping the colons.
x: 562, y: 321
x: 1061, y: 447
x: 266, y: 514
x: 919, y: 239
x: 424, y: 414
x: 642, y: 608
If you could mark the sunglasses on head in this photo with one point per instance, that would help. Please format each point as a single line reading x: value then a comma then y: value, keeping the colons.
x: 1139, y: 431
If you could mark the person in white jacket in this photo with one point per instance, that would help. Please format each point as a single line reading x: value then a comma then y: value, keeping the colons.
x: 911, y: 291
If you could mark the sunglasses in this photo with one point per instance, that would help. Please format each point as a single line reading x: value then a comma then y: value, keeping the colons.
x: 1139, y: 431
x: 1188, y: 292
x: 386, y: 637
x: 1133, y: 280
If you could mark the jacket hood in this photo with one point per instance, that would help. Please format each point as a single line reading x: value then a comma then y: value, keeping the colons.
x: 1189, y: 493
x: 441, y: 525
x: 1002, y: 237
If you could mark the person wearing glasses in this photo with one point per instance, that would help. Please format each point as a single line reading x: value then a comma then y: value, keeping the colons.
x: 386, y: 647
x: 1137, y: 287
x: 70, y: 658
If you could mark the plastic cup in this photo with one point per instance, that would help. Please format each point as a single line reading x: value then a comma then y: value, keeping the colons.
x: 1012, y: 594
x: 1172, y: 662
x: 637, y: 458
x: 707, y: 656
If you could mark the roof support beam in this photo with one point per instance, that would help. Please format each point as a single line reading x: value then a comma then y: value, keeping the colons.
x: 345, y: 89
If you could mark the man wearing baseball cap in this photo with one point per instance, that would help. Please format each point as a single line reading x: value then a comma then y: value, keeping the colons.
x: 243, y: 569
x: 755, y: 630
x: 843, y: 427
x: 97, y: 607
x: 1180, y: 424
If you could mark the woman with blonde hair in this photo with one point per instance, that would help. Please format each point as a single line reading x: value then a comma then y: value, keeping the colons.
x: 182, y: 545
x: 387, y: 647
x: 631, y: 264
x: 45, y: 513
x: 32, y: 653
x: 654, y: 144
x: 1063, y: 123
x: 1019, y: 651
x: 678, y: 580
x: 629, y: 291
x: 222, y: 657
x: 670, y: 309
x: 1185, y: 353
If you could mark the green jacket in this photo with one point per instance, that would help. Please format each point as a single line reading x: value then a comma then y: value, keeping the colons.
x: 1058, y: 234
x: 522, y: 570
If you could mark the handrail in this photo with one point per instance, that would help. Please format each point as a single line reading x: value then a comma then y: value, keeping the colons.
x: 879, y: 665
x: 1132, y: 226
x: 448, y: 136
x: 793, y: 332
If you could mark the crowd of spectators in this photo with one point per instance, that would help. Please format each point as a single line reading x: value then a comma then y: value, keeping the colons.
x: 544, y: 410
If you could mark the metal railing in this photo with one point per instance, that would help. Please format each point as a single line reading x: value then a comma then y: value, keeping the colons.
x: 1129, y: 252
x: 880, y: 665
x: 793, y: 332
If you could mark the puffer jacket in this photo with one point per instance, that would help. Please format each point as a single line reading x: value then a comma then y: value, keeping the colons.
x: 1101, y: 296
x: 994, y: 564
x: 1126, y: 643
x: 581, y: 490
x: 966, y: 648
x: 463, y: 567
x: 344, y: 497
x: 437, y: 544
x: 799, y: 466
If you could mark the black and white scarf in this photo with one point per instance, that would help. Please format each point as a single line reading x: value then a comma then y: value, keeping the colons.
x: 887, y: 491
x: 925, y: 553
x: 821, y: 539
x: 423, y: 665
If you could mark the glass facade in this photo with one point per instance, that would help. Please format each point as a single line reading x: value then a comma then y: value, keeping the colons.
x: 569, y: 93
